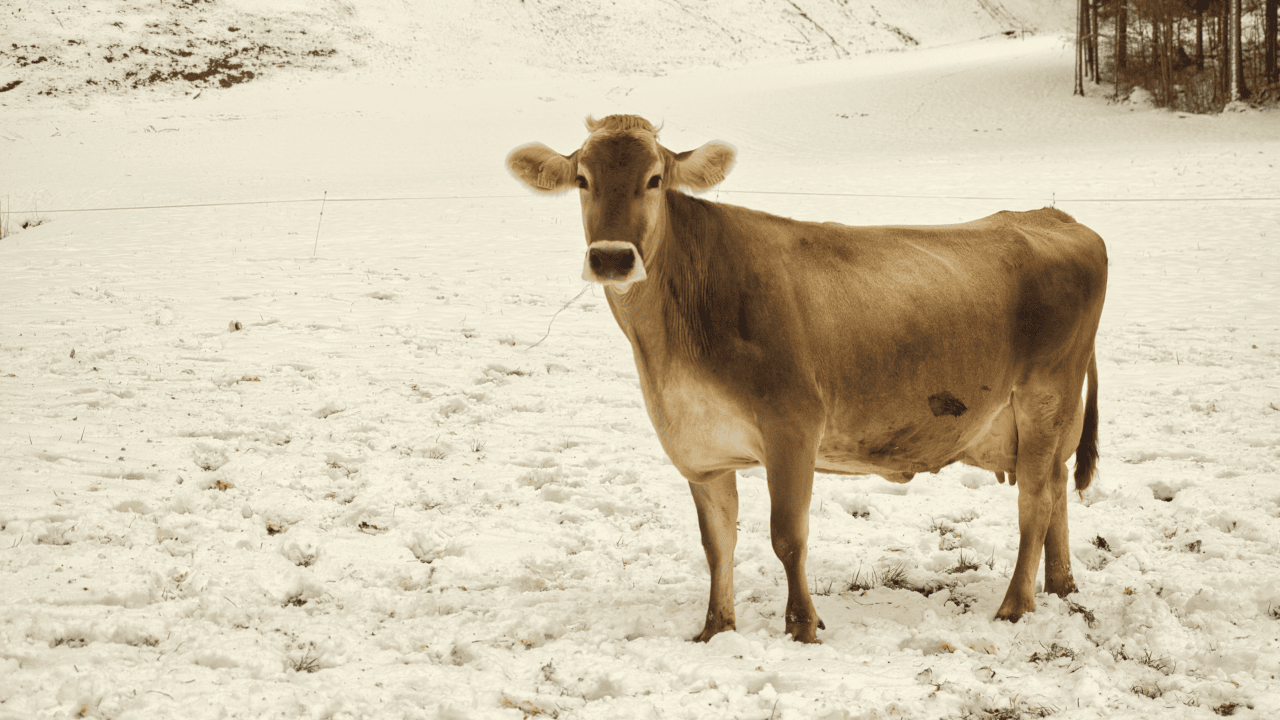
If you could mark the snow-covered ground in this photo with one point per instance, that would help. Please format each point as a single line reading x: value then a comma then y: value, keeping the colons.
x: 392, y: 493
x: 61, y: 48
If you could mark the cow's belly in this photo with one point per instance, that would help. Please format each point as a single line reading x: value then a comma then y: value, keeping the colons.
x: 703, y: 429
x: 990, y: 442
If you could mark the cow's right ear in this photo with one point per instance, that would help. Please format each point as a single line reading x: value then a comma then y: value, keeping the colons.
x: 542, y: 168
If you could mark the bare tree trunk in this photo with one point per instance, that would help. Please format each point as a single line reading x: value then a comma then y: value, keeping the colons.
x: 1172, y: 46
x: 1084, y: 34
x: 1158, y: 58
x: 1199, y: 39
x: 1122, y: 46
x: 1269, y: 69
x: 1236, y: 89
x: 1093, y: 42
x: 1224, y: 61
x: 1081, y: 10
x: 1167, y: 38
x: 1122, y: 37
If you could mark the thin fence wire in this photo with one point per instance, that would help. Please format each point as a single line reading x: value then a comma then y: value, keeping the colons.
x: 43, y: 211
x: 434, y: 198
x: 1005, y: 197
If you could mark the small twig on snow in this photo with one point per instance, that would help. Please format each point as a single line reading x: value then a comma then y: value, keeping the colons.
x: 553, y: 317
x: 317, y: 243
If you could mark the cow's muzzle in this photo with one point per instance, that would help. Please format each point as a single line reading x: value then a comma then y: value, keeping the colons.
x: 613, y: 262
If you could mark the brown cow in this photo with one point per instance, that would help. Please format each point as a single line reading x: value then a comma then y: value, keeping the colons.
x: 856, y: 350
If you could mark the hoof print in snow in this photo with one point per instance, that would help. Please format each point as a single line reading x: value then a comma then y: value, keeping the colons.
x: 209, y: 457
x: 438, y: 451
x: 1166, y: 491
x: 55, y: 534
x: 333, y: 407
x: 452, y: 406
x: 431, y: 545
x: 302, y: 548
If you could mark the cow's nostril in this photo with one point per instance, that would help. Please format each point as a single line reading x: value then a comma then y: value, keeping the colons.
x: 611, y: 262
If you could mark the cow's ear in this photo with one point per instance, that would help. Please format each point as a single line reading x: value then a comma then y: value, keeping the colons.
x: 542, y: 168
x: 705, y: 167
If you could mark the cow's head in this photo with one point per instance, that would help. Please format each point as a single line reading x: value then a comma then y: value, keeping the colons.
x: 622, y: 175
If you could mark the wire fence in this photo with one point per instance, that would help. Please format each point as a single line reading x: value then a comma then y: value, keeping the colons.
x: 1053, y: 199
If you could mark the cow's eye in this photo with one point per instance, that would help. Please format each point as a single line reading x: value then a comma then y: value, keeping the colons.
x: 582, y: 183
x: 655, y: 182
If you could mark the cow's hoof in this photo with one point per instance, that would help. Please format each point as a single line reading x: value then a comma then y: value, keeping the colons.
x: 804, y: 632
x: 711, y: 631
x: 1061, y: 587
x: 808, y: 635
x: 1012, y: 613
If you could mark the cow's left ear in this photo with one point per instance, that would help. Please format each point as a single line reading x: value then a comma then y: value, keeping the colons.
x: 542, y: 168
x: 703, y: 168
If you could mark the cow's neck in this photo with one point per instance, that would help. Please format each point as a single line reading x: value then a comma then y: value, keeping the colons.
x: 681, y: 311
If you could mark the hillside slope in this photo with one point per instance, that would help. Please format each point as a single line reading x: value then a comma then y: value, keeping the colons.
x: 50, y: 48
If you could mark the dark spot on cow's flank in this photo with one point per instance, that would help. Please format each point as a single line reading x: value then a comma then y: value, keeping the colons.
x: 944, y: 403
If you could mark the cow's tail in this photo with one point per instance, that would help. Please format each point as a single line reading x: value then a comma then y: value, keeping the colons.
x: 1087, y: 451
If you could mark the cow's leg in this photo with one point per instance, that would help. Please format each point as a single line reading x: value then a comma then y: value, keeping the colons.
x: 716, y: 497
x: 790, y: 471
x: 1042, y: 480
x: 1057, y: 549
x: 1057, y: 552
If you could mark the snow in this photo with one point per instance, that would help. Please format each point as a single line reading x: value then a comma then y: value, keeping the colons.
x: 393, y: 492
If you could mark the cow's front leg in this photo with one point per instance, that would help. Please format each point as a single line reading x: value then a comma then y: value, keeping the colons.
x: 716, y: 497
x: 790, y: 470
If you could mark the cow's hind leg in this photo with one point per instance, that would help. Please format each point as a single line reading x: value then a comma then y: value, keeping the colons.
x: 716, y: 497
x: 1057, y: 551
x: 1044, y: 419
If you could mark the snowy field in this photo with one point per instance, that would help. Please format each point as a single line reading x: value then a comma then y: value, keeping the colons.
x: 392, y: 493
